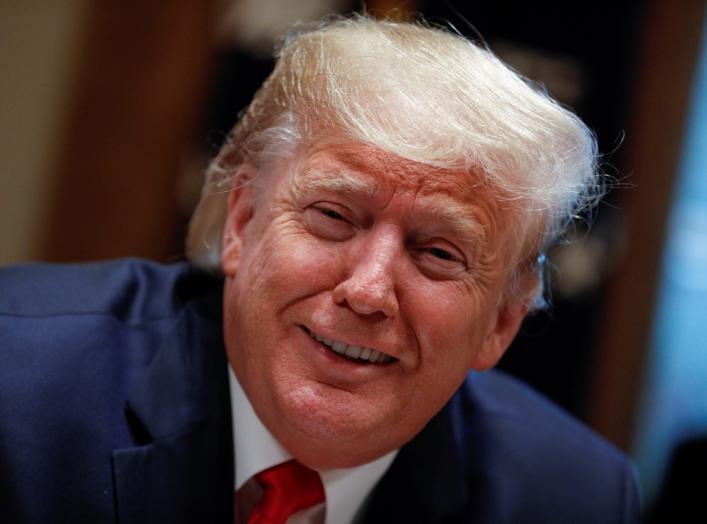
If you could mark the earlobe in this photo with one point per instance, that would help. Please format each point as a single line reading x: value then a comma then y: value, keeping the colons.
x: 238, y: 216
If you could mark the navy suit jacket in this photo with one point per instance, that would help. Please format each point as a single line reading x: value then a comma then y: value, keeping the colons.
x: 114, y: 407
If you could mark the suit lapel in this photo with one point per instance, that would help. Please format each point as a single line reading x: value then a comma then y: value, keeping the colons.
x: 425, y: 483
x: 181, y: 469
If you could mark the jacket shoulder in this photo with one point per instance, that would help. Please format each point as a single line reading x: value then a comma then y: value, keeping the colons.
x: 75, y: 342
x: 538, y: 461
x: 131, y: 290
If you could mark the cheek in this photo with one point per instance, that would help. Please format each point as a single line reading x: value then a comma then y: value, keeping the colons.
x: 285, y: 266
x: 451, y: 326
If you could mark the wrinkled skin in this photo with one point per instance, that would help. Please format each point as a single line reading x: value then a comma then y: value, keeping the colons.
x: 364, y: 248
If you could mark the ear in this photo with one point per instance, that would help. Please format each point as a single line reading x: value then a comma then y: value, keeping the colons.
x: 238, y: 216
x: 507, y: 322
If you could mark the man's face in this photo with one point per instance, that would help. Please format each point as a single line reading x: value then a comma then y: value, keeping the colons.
x: 360, y: 289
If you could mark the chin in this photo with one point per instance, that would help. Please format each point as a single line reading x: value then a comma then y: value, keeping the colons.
x: 323, y: 430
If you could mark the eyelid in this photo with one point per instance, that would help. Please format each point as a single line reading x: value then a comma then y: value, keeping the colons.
x: 326, y: 210
x: 346, y: 212
x: 336, y: 208
x: 445, y: 245
x: 440, y: 269
x: 323, y: 225
x: 455, y: 257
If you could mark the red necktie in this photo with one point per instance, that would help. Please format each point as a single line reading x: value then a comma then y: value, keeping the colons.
x: 288, y: 488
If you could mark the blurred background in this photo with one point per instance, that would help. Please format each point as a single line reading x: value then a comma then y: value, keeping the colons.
x: 110, y: 111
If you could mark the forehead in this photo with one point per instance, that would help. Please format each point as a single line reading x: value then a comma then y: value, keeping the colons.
x: 360, y: 168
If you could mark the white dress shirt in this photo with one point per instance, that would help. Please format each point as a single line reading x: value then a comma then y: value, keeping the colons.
x: 255, y: 450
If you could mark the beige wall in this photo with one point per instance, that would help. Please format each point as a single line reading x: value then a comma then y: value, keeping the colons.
x: 38, y: 46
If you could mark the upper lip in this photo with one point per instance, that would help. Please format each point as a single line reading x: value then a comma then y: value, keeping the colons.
x: 325, y: 334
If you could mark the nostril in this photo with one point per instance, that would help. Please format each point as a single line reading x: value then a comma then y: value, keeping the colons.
x: 360, y: 307
x: 366, y: 300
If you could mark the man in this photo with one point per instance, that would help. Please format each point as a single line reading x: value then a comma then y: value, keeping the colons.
x: 378, y: 215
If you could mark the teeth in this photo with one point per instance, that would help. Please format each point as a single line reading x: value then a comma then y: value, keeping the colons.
x: 354, y: 352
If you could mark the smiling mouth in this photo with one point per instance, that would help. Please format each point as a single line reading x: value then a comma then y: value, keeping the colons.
x: 360, y: 354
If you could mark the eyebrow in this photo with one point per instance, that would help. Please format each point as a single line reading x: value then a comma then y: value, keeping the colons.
x: 459, y: 217
x: 337, y: 180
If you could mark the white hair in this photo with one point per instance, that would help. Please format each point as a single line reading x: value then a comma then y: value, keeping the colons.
x: 421, y: 93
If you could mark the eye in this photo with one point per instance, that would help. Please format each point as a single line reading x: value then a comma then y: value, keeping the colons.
x: 440, y: 260
x: 330, y: 213
x: 443, y: 255
x: 328, y: 221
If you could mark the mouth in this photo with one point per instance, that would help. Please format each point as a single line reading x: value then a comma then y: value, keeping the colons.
x: 359, y: 354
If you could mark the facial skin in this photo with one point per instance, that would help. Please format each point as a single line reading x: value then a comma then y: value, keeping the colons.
x: 366, y: 249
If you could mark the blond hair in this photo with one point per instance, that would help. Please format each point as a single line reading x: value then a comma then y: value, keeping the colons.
x: 421, y: 93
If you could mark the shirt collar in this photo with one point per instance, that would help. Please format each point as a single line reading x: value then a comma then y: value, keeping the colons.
x: 256, y: 449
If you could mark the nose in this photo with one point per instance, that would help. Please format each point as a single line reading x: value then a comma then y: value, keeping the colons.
x: 369, y: 287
